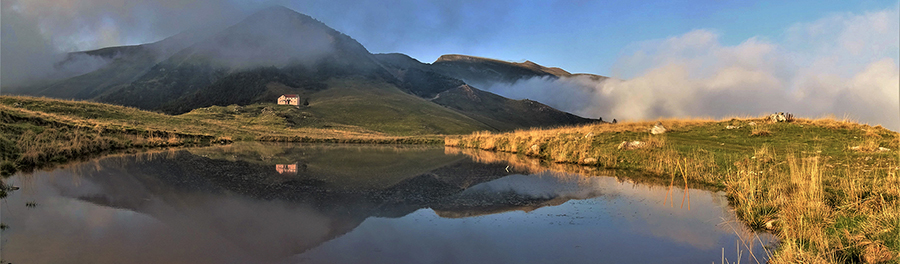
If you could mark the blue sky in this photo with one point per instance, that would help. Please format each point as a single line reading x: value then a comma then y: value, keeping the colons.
x: 669, y: 58
x: 580, y: 36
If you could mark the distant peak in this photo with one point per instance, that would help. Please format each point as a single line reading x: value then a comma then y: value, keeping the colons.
x: 466, y: 58
x: 278, y: 11
x: 276, y: 8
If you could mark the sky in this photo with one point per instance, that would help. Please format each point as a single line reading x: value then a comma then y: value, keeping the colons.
x: 846, y: 42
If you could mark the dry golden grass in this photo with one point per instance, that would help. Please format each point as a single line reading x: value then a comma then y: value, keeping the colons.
x: 800, y: 180
x: 40, y: 131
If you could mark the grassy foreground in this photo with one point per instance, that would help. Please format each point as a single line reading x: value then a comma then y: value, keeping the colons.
x: 35, y: 132
x: 828, y: 189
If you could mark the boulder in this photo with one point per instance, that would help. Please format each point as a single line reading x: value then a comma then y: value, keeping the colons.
x: 658, y: 129
x: 626, y: 145
x: 781, y: 117
x: 775, y: 118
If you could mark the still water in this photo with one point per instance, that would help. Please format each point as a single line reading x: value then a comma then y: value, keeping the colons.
x: 293, y: 203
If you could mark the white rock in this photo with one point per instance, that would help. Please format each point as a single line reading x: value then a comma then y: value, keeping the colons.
x: 625, y: 145
x: 658, y: 129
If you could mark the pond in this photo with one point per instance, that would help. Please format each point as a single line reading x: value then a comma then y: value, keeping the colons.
x: 316, y: 203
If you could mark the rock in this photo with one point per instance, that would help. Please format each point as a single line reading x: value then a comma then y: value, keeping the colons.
x: 625, y: 145
x: 751, y: 124
x: 855, y: 148
x: 658, y: 129
x: 731, y: 127
x: 781, y: 117
x: 536, y: 148
x: 770, y: 225
x: 883, y: 149
x: 589, y: 161
x: 775, y: 118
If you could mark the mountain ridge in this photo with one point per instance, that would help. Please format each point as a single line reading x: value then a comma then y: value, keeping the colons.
x: 276, y: 51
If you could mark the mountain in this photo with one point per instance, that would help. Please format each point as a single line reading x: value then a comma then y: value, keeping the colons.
x: 123, y: 65
x: 279, y: 51
x: 485, y: 71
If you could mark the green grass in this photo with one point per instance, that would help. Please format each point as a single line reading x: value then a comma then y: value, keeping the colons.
x: 40, y: 131
x: 827, y: 188
x: 384, y: 108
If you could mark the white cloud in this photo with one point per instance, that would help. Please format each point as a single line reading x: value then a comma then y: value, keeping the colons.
x: 844, y: 64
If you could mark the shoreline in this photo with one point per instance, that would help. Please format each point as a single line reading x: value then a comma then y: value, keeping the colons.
x: 828, y: 189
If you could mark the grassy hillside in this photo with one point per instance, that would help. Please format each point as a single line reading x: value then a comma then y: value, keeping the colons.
x: 484, y: 70
x: 39, y: 131
x: 829, y: 189
x: 503, y: 114
x: 382, y: 107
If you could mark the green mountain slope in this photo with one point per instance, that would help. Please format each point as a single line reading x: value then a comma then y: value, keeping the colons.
x: 504, y: 114
x: 278, y: 51
x: 383, y: 107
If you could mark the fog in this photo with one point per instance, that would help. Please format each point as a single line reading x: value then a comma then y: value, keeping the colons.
x: 37, y: 32
x: 844, y: 65
x: 274, y: 37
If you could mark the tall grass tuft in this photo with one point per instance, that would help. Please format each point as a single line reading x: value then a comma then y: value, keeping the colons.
x: 826, y: 201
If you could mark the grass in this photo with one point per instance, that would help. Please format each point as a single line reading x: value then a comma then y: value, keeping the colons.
x: 828, y: 189
x: 37, y: 132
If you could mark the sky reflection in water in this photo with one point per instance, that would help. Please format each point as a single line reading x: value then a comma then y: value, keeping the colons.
x: 230, y: 205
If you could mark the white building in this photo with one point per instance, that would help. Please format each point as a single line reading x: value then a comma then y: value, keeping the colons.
x: 289, y: 99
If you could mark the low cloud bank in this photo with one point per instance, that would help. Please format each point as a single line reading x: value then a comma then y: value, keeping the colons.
x: 843, y: 65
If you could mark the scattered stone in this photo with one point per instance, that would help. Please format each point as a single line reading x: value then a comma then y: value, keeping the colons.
x: 536, y: 148
x: 883, y: 149
x: 770, y: 225
x: 752, y: 124
x: 781, y: 117
x: 776, y: 117
x: 855, y: 148
x: 625, y: 145
x: 658, y: 129
x: 589, y: 161
x: 731, y: 127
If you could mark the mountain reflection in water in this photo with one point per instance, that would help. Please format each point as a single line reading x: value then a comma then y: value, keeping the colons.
x: 270, y: 203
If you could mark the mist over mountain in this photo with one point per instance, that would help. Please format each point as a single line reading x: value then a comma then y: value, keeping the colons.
x: 279, y: 51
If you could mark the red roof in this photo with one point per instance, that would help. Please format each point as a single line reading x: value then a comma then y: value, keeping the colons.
x: 290, y: 95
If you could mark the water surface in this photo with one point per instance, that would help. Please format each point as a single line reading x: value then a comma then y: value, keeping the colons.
x: 271, y: 203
